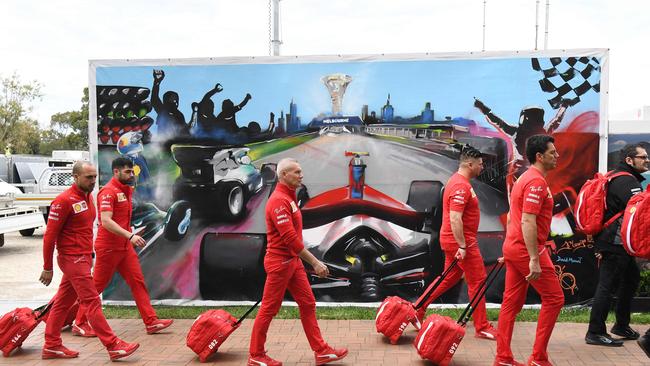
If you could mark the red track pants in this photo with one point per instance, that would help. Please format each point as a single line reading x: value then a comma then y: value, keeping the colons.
x: 514, y: 296
x: 286, y: 274
x: 127, y: 264
x: 76, y: 283
x: 474, y: 271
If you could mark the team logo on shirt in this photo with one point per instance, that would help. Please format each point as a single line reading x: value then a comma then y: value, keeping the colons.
x: 536, y: 189
x: 458, y: 199
x: 473, y: 193
x: 459, y: 196
x: 106, y: 201
x: 533, y: 197
x: 282, y: 219
x: 121, y: 197
x: 80, y: 206
x: 532, y: 200
x: 294, y: 208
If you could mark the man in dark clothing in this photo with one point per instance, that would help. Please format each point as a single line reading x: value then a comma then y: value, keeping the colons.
x: 618, y: 270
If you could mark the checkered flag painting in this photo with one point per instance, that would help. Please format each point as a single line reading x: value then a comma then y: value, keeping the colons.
x: 568, y: 78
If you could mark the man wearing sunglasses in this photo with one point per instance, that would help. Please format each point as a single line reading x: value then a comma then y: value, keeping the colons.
x: 619, y: 272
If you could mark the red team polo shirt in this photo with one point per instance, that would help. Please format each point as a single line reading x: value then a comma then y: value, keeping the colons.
x: 459, y: 196
x: 283, y: 223
x: 69, y: 225
x: 530, y: 194
x: 114, y: 197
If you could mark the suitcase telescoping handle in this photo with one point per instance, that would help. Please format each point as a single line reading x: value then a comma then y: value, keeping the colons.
x: 247, y: 312
x: 469, y: 310
x: 427, y: 293
x: 42, y: 310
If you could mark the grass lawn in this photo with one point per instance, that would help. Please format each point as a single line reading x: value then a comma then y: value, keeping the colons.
x: 577, y: 315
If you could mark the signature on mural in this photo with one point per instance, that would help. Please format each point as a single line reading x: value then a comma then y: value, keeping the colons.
x: 567, y: 279
x: 572, y: 260
x: 573, y: 245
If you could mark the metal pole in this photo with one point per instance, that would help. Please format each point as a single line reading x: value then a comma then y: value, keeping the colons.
x: 546, y: 26
x: 536, y: 22
x: 276, y: 42
x: 484, y: 6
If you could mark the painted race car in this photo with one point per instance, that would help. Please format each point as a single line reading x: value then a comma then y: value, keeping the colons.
x: 216, y: 180
x: 373, y: 245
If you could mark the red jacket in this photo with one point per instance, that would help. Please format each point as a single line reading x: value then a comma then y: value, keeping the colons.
x: 69, y: 225
x: 283, y: 223
x: 114, y: 197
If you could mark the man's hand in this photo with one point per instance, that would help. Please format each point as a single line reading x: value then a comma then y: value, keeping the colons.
x: 218, y: 88
x: 460, y: 253
x: 46, y: 277
x: 158, y: 75
x: 248, y: 96
x: 481, y: 107
x: 137, y: 241
x: 535, y: 269
x: 320, y: 269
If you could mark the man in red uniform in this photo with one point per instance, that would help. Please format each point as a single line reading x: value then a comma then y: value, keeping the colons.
x: 114, y: 249
x: 460, y: 220
x: 527, y: 259
x: 285, y: 271
x: 70, y: 229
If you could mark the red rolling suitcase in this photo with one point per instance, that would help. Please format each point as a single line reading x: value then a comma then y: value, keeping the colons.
x: 211, y: 329
x: 393, y: 316
x: 440, y: 336
x: 16, y: 325
x: 394, y: 313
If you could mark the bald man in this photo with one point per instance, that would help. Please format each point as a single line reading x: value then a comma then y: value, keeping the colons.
x: 70, y: 230
x: 285, y: 271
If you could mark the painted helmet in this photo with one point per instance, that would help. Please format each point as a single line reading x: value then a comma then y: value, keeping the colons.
x: 130, y: 143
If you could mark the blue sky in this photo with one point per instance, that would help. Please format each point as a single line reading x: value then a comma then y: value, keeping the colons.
x: 52, y: 41
x: 506, y: 85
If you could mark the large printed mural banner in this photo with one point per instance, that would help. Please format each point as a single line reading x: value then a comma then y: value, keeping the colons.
x: 377, y: 138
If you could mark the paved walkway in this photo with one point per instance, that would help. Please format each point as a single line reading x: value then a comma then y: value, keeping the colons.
x: 287, y: 343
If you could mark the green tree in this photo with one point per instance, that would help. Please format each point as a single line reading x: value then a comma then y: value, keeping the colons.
x: 68, y: 130
x: 17, y: 129
x: 51, y: 140
x: 26, y: 137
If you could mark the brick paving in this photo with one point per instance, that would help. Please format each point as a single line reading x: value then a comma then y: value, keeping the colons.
x: 286, y: 342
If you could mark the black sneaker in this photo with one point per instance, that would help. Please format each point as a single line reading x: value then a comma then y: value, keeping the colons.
x: 644, y: 343
x: 625, y: 332
x: 602, y: 340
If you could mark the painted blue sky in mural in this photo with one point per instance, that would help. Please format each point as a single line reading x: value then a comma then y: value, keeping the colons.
x: 505, y: 85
